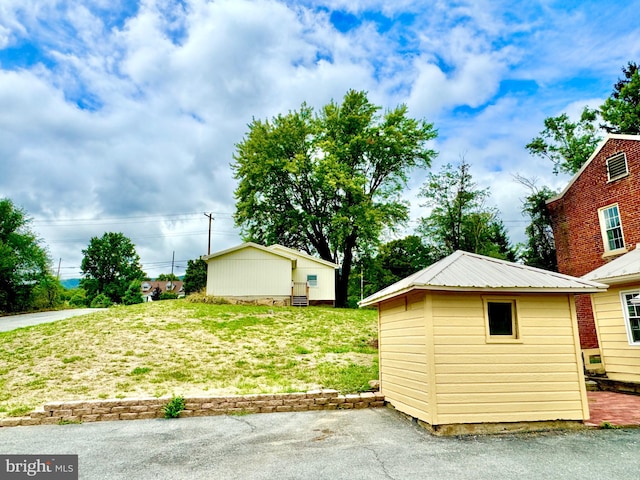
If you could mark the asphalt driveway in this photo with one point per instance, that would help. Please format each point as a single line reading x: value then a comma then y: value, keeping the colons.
x: 12, y: 322
x: 359, y: 444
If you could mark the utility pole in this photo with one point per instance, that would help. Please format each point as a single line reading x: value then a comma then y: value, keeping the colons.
x: 59, y: 263
x: 173, y: 258
x: 210, y: 216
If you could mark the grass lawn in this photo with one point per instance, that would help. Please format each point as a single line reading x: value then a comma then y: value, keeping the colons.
x: 182, y: 348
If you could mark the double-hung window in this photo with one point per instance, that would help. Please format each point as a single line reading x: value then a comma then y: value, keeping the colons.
x: 632, y: 315
x: 312, y: 280
x: 611, y: 228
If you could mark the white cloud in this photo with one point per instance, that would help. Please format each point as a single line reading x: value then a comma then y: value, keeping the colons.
x: 134, y: 112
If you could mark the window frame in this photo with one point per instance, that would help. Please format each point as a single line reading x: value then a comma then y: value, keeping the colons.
x: 622, y: 155
x: 311, y: 282
x: 625, y: 314
x: 604, y: 231
x: 515, y: 337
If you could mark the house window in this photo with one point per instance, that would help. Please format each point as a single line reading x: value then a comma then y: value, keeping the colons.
x: 501, y: 319
x: 617, y: 166
x: 632, y: 315
x: 611, y: 228
x: 312, y: 280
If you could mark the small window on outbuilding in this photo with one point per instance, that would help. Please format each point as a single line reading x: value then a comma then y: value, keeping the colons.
x: 501, y: 319
x: 312, y: 280
x: 617, y: 166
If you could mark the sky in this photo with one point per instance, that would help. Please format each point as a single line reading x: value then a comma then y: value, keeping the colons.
x: 123, y: 115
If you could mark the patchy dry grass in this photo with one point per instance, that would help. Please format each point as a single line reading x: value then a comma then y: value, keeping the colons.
x: 181, y: 348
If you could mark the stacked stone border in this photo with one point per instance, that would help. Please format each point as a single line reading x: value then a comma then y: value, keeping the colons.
x: 146, y: 408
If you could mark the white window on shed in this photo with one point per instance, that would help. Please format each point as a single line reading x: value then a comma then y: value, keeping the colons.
x: 632, y: 315
x: 501, y: 319
x: 312, y: 280
x: 617, y: 166
x: 611, y: 228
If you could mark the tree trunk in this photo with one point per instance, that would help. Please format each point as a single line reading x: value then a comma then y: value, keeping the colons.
x: 342, y: 275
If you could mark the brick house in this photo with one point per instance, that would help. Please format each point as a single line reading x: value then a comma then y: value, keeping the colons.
x: 596, y: 218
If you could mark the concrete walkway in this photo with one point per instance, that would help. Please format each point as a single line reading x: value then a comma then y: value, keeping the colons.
x: 617, y: 409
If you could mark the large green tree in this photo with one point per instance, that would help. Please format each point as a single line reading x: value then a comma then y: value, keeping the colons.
x: 195, y: 277
x: 328, y: 183
x: 109, y: 266
x: 23, y: 261
x: 568, y: 144
x: 459, y: 218
x: 621, y: 111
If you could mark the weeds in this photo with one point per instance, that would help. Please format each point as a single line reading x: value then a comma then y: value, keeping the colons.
x: 174, y: 407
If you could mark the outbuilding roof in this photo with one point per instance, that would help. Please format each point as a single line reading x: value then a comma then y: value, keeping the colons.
x: 245, y: 245
x: 622, y: 269
x: 464, y: 271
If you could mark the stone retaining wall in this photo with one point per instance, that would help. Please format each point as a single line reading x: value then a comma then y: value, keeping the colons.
x: 133, y: 409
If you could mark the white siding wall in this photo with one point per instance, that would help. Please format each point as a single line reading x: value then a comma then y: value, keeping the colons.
x: 326, y: 279
x: 621, y: 360
x: 249, y: 272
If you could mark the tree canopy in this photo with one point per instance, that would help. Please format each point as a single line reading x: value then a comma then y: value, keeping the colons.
x: 459, y: 218
x: 328, y: 183
x: 195, y: 278
x: 24, y: 263
x: 566, y: 143
x: 109, y: 266
x: 540, y: 249
x: 393, y: 261
x: 621, y: 111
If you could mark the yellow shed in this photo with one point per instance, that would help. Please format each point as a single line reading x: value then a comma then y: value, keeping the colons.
x: 472, y: 341
x: 617, y: 316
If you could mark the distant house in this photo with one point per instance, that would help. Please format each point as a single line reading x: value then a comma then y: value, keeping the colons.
x: 252, y: 272
x: 596, y: 219
x: 617, y: 316
x: 170, y: 286
x: 476, y: 340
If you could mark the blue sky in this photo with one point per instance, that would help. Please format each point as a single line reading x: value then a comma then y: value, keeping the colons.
x: 123, y: 115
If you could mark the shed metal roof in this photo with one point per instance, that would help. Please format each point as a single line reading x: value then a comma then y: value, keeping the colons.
x: 464, y: 271
x: 622, y: 269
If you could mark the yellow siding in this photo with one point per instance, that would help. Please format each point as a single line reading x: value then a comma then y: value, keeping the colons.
x: 621, y: 360
x: 249, y: 272
x: 537, y: 377
x: 404, y: 372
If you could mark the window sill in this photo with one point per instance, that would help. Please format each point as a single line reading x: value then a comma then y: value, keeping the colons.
x: 503, y: 340
x: 614, y: 253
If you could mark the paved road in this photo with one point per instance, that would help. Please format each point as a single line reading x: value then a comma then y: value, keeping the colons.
x: 12, y: 322
x: 359, y: 444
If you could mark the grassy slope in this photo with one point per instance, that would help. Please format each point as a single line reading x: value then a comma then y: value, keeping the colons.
x: 181, y: 348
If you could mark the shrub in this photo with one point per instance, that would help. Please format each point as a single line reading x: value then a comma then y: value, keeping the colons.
x: 78, y: 298
x: 174, y: 407
x: 133, y: 295
x: 168, y: 296
x: 101, y: 301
